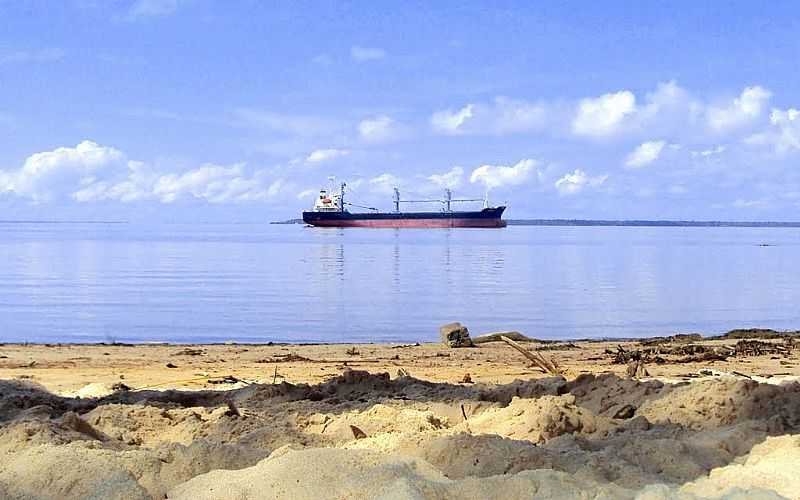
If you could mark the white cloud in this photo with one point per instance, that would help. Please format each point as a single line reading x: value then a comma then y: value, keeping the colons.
x: 742, y: 111
x: 31, y: 56
x: 90, y: 172
x: 495, y: 176
x: 577, y: 181
x: 603, y: 116
x: 153, y: 8
x: 707, y: 153
x: 757, y: 204
x: 384, y: 183
x: 500, y: 117
x: 323, y: 155
x: 450, y: 122
x: 44, y: 175
x: 784, y: 132
x: 644, y: 154
x: 363, y: 54
x: 307, y: 194
x: 378, y: 129
x: 449, y: 180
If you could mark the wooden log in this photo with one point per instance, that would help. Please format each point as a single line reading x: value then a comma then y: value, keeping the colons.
x: 495, y: 337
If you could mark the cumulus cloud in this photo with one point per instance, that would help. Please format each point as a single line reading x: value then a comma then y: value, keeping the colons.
x: 710, y: 152
x: 363, y: 54
x: 449, y: 180
x: 644, y: 154
x: 784, y: 131
x: 499, y: 117
x: 604, y: 115
x: 451, y: 122
x: 384, y: 183
x: 577, y: 181
x: 90, y: 172
x: 743, y: 110
x: 44, y: 175
x: 378, y: 129
x: 495, y: 176
x: 323, y: 155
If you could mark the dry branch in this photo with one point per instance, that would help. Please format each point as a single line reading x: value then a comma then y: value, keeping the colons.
x: 544, y: 364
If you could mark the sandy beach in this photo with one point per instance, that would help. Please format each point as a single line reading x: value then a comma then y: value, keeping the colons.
x: 699, y: 419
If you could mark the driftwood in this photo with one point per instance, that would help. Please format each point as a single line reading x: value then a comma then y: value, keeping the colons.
x: 495, y: 337
x: 544, y: 364
x: 636, y: 369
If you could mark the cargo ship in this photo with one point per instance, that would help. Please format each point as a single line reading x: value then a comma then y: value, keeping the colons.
x: 330, y: 210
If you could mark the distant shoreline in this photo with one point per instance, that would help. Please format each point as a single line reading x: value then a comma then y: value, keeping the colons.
x: 627, y: 223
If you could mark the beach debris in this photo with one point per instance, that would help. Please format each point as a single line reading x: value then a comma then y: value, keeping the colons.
x: 541, y: 362
x: 285, y: 358
x: 467, y: 379
x: 170, y: 365
x: 353, y: 352
x: 707, y: 372
x: 402, y: 372
x: 691, y: 353
x: 495, y: 337
x: 357, y: 433
x: 636, y: 369
x: 227, y: 379
x: 760, y: 348
x: 403, y: 346
x: 558, y: 346
x: 455, y: 335
x: 190, y: 352
x: 677, y: 338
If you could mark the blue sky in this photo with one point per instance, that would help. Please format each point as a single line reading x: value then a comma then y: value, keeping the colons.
x: 240, y: 110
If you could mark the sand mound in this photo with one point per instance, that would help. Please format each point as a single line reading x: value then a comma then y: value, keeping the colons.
x: 771, y: 465
x: 333, y: 473
x: 593, y: 437
x: 537, y: 420
x: 378, y: 419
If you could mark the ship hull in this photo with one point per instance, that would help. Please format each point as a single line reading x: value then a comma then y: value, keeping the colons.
x: 486, y: 218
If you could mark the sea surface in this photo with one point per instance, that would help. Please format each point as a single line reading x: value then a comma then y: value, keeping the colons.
x: 92, y: 282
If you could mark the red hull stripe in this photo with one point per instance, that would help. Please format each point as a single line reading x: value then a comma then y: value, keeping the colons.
x: 389, y: 223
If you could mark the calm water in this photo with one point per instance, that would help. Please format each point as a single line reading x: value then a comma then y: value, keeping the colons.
x: 201, y: 283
